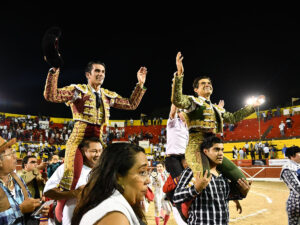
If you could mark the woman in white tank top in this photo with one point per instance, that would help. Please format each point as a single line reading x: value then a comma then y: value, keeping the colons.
x: 116, y: 188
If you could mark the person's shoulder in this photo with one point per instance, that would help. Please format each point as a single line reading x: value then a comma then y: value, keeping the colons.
x: 187, y: 170
x: 108, y: 93
x: 112, y: 218
x: 81, y: 87
x: 196, y: 100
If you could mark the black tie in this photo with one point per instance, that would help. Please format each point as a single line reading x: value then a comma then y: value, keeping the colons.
x: 97, y: 100
x: 208, y: 102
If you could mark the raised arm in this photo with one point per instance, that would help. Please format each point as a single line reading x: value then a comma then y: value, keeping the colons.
x: 133, y: 102
x: 244, y: 112
x: 239, y: 115
x: 54, y: 94
x: 172, y: 112
x: 177, y: 98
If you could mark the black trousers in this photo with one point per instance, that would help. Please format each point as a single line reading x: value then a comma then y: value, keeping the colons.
x: 174, y: 165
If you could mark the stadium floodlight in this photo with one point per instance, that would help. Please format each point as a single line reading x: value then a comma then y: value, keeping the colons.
x: 251, y: 100
x: 260, y: 100
x: 254, y: 99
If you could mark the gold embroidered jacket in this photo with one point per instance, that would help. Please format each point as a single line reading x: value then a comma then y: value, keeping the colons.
x: 82, y: 100
x: 201, y: 116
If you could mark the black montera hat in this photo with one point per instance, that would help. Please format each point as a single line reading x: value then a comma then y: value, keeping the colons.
x: 50, y: 47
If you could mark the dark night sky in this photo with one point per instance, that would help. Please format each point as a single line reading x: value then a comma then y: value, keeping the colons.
x: 246, y: 53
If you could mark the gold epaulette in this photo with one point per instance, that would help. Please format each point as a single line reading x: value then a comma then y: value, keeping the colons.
x: 109, y: 94
x: 81, y: 87
x: 198, y: 101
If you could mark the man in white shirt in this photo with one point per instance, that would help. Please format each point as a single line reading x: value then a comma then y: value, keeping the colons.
x: 241, y: 152
x: 91, y: 149
x: 177, y: 140
x: 281, y: 128
x: 266, y: 151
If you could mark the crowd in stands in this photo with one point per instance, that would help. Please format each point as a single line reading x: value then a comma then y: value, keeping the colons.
x: 271, y: 125
x: 260, y: 150
x: 32, y: 129
x: 33, y: 134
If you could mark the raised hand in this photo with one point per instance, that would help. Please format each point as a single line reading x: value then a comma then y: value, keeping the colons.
x: 202, y: 182
x: 141, y: 75
x: 221, y: 104
x: 179, y: 64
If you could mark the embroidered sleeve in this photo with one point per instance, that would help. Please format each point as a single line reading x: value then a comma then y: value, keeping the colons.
x: 58, y: 95
x: 239, y: 115
x: 177, y: 98
x: 129, y: 103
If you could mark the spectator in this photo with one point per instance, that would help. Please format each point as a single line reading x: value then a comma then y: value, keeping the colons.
x: 269, y: 116
x: 284, y: 150
x: 131, y: 122
x: 116, y: 188
x: 264, y: 116
x: 160, y: 120
x: 288, y: 122
x: 91, y: 150
x: 234, y: 153
x: 54, y: 163
x: 281, y: 128
x: 160, y: 200
x: 266, y: 151
x: 260, y: 150
x: 290, y: 175
x: 32, y: 176
x: 272, y: 152
x: 241, y: 153
x: 278, y: 114
x: 16, y: 208
x: 252, y: 153
x: 246, y: 146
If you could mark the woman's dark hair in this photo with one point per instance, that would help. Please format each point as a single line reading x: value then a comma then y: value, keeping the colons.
x: 291, y: 151
x: 116, y: 159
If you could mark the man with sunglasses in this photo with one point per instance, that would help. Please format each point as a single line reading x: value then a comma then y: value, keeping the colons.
x: 32, y: 176
x: 16, y: 203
